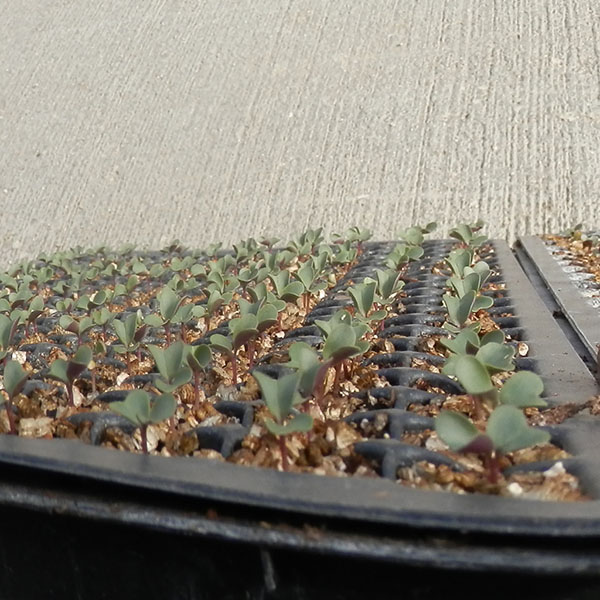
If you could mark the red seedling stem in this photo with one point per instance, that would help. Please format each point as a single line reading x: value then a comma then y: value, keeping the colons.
x: 234, y: 375
x: 144, y: 432
x: 11, y: 417
x: 196, y: 390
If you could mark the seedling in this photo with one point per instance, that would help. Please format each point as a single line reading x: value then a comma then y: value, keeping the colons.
x: 285, y: 288
x: 309, y: 278
x: 459, y: 259
x: 353, y: 235
x: 172, y: 310
x: 281, y: 397
x: 468, y: 342
x: 344, y: 254
x: 171, y: 366
x: 401, y: 255
x: 142, y: 410
x: 522, y: 390
x: 389, y: 284
x: 363, y: 296
x: 342, y: 341
x: 460, y: 309
x: 198, y: 358
x: 224, y: 345
x: 507, y: 430
x: 251, y: 274
x: 260, y: 293
x: 467, y: 234
x: 8, y: 328
x: 269, y: 242
x: 266, y: 314
x: 129, y: 334
x: 207, y: 310
x: 76, y: 326
x: 67, y: 371
x: 102, y: 317
x: 33, y: 312
x: 304, y: 244
x: 15, y: 378
x: 306, y: 361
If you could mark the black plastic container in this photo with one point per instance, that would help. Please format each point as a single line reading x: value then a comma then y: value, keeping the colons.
x: 103, y: 523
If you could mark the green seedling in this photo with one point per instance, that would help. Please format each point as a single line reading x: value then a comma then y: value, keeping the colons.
x: 310, y: 279
x: 66, y: 305
x: 344, y: 254
x: 319, y: 260
x: 306, y: 361
x: 304, y: 244
x: 199, y: 271
x: 342, y: 341
x: 130, y: 335
x: 413, y: 236
x: 102, y: 317
x: 89, y: 303
x: 269, y: 242
x: 353, y: 235
x: 507, y: 430
x: 268, y: 260
x: 472, y: 280
x: 260, y: 293
x: 459, y: 259
x: 156, y: 271
x: 467, y: 234
x: 21, y: 297
x: 67, y: 371
x: 172, y: 366
x: 142, y: 410
x: 172, y: 310
x: 363, y: 297
x: 285, y: 288
x: 181, y: 264
x: 388, y: 285
x: 32, y: 313
x: 217, y: 280
x: 242, y: 331
x: 522, y: 390
x: 224, y: 345
x: 198, y: 358
x: 281, y: 397
x: 252, y: 274
x: 15, y: 378
x: 401, y: 255
x: 284, y: 258
x: 468, y: 342
x: 266, y: 314
x: 212, y: 250
x: 460, y: 309
x: 76, y: 326
x: 8, y: 328
x: 207, y: 310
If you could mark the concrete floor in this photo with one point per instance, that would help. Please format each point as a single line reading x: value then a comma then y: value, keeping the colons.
x: 206, y: 120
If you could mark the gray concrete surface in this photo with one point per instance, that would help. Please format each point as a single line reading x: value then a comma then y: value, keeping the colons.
x: 149, y: 120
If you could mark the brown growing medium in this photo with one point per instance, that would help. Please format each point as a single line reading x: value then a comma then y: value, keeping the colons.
x: 329, y: 448
x: 579, y: 253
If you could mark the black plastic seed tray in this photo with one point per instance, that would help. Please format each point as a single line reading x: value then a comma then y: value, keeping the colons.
x: 571, y: 293
x: 218, y: 511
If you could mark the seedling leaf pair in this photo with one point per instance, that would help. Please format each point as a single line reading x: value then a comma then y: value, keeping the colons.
x: 507, y: 430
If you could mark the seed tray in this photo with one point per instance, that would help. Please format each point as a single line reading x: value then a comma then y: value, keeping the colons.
x: 571, y: 296
x: 372, y: 519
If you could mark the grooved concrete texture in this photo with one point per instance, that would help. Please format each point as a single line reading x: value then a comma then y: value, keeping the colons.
x: 206, y: 120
